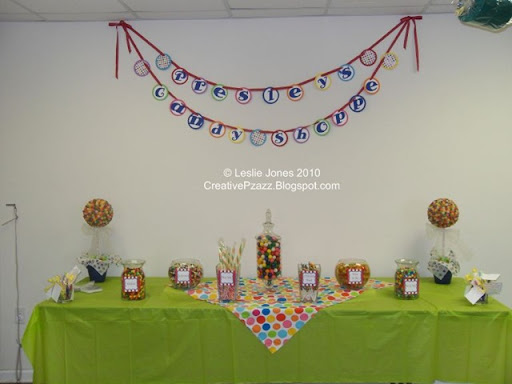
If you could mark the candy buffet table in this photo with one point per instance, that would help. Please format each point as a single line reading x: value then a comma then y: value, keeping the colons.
x: 172, y: 338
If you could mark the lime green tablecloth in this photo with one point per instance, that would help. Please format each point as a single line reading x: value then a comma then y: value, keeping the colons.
x: 171, y: 338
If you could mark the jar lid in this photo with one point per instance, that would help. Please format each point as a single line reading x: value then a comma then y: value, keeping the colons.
x: 186, y: 261
x: 411, y: 262
x: 268, y: 225
x: 133, y: 263
x: 352, y: 260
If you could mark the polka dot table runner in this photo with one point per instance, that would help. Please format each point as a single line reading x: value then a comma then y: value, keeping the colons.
x: 275, y: 316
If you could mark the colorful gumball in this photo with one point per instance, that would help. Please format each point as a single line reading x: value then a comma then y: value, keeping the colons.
x: 443, y: 213
x: 98, y: 213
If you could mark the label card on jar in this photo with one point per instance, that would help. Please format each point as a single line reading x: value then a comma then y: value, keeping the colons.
x: 493, y: 287
x: 54, y: 293
x: 473, y: 294
x: 227, y: 277
x: 355, y: 276
x: 411, y: 286
x: 309, y: 277
x: 183, y: 276
x: 131, y: 284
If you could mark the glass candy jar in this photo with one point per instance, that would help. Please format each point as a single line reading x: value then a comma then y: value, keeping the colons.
x: 268, y: 248
x: 185, y: 273
x: 309, y: 280
x: 352, y: 273
x: 227, y: 283
x: 133, y: 280
x: 407, y: 283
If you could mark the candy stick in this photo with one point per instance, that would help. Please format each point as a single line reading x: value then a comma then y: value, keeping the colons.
x: 240, y: 251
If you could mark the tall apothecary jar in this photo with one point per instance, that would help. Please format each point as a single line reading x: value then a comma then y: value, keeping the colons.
x: 268, y: 249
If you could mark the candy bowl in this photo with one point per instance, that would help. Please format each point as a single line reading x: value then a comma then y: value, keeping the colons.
x: 185, y: 273
x: 352, y: 273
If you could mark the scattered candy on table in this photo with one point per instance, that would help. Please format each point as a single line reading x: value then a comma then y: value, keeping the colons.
x: 98, y: 213
x: 133, y: 280
x: 185, y: 273
x: 352, y: 273
x: 443, y: 213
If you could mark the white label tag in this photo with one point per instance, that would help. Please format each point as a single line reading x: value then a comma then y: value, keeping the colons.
x: 474, y: 294
x: 130, y: 285
x: 493, y: 288
x: 308, y: 278
x: 355, y: 277
x: 490, y: 276
x: 183, y: 276
x: 55, y: 292
x: 411, y: 286
x: 227, y: 278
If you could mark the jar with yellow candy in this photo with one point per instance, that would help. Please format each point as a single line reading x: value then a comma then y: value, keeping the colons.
x: 133, y: 280
x: 352, y: 273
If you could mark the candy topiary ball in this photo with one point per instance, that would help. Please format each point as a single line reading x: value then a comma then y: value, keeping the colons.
x: 98, y: 213
x: 443, y: 213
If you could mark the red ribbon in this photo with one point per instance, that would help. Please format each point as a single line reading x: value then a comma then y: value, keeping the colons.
x: 403, y: 24
x: 405, y: 21
x: 117, y: 53
x: 408, y: 20
x: 123, y: 25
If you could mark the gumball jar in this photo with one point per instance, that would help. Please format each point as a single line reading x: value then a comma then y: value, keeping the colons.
x: 268, y: 253
x: 185, y: 273
x: 352, y: 273
x: 133, y: 280
x: 407, y: 280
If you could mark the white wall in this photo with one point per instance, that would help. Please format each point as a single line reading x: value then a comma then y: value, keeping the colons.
x: 70, y: 132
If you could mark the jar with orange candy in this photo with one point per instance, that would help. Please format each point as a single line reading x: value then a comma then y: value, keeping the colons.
x: 133, y: 280
x: 352, y: 273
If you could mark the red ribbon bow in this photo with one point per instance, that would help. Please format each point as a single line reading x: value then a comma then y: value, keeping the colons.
x: 123, y: 25
x: 408, y: 20
x: 129, y: 42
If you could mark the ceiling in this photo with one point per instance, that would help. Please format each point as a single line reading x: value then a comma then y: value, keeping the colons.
x: 105, y: 10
